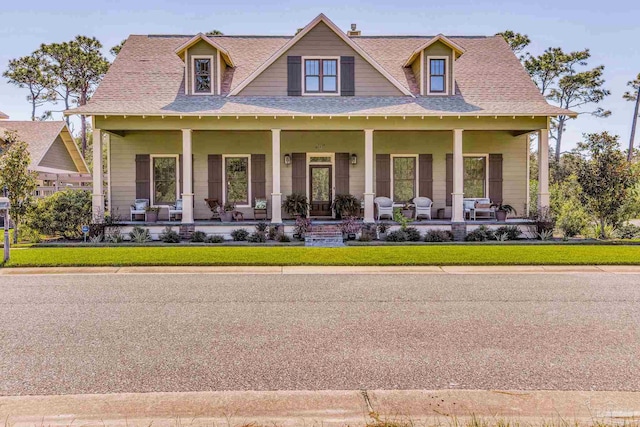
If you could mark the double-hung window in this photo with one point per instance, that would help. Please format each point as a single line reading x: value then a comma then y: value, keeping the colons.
x: 437, y: 75
x: 202, y: 75
x: 164, y: 180
x: 236, y: 176
x: 321, y: 76
x: 404, y: 179
x: 475, y: 176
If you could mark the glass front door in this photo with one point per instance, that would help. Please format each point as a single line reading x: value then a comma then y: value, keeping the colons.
x: 320, y: 190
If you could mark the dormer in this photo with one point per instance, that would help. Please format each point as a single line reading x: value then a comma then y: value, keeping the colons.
x: 433, y: 65
x: 205, y: 63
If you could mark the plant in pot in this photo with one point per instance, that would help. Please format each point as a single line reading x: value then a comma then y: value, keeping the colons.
x: 226, y: 211
x: 152, y: 213
x: 350, y: 226
x: 407, y: 210
x: 296, y: 205
x: 502, y: 211
x: 383, y: 228
x: 345, y: 205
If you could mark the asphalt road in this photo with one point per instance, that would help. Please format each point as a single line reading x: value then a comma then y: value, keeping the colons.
x: 142, y: 333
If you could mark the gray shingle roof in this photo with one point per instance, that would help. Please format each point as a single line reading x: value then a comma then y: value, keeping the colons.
x: 147, y: 78
x: 38, y: 135
x: 3, y: 116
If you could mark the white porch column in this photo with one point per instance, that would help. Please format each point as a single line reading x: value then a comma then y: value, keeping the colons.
x: 543, y: 168
x: 98, y: 190
x: 458, y: 177
x: 187, y: 178
x: 368, y: 176
x: 276, y: 195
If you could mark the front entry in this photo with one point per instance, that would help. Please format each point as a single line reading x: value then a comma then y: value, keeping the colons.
x: 320, y: 185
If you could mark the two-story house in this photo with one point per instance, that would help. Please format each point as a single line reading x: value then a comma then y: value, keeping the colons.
x: 324, y: 112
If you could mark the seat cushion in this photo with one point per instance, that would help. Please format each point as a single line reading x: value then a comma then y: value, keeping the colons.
x: 261, y: 204
x: 140, y: 206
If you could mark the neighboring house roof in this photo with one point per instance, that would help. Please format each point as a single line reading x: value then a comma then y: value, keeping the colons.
x: 3, y: 116
x: 43, y: 139
x: 147, y: 78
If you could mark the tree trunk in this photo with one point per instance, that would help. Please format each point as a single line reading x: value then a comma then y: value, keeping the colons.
x: 83, y: 131
x: 602, y: 224
x: 33, y: 111
x: 561, y: 120
x: 15, y: 229
x: 633, y: 126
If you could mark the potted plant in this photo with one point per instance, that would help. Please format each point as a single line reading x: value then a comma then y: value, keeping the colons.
x: 503, y: 210
x: 152, y: 213
x: 345, y: 205
x: 226, y: 211
x: 296, y: 205
x: 350, y: 226
x: 407, y: 210
x: 383, y: 227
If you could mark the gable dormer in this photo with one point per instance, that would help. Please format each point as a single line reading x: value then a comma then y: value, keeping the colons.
x: 433, y: 65
x: 205, y: 63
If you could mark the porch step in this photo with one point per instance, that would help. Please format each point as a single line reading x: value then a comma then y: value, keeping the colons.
x: 327, y: 236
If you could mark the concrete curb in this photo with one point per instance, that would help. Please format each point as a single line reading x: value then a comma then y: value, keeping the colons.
x: 282, y: 270
x: 333, y: 408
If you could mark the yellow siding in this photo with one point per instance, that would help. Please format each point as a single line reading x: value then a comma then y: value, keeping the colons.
x: 440, y: 49
x: 58, y: 157
x: 201, y: 48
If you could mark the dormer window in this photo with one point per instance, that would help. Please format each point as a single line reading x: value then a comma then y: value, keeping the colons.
x: 202, y: 75
x: 320, y: 76
x: 437, y: 78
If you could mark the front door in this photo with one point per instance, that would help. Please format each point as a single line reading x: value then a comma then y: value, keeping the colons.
x: 320, y: 190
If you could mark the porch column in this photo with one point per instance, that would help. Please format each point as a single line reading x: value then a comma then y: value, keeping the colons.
x: 98, y: 190
x: 276, y: 195
x: 543, y: 168
x: 368, y: 176
x: 187, y: 178
x: 458, y: 177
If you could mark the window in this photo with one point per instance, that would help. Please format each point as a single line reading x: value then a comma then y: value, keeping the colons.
x: 165, y: 180
x: 475, y: 176
x: 202, y: 75
x: 437, y: 73
x: 404, y: 179
x: 321, y: 76
x: 236, y: 175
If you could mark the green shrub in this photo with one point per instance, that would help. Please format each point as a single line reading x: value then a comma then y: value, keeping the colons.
x: 273, y: 232
x: 61, y: 214
x: 283, y: 238
x: 628, y: 231
x: 397, y: 236
x: 140, y: 235
x: 239, y: 235
x: 262, y: 227
x: 511, y: 232
x: 198, y: 237
x: 438, y: 236
x: 365, y: 237
x: 169, y: 236
x: 214, y: 239
x: 480, y: 234
x: 413, y: 235
x: 257, y: 237
x: 572, y: 218
x: 115, y: 236
x: 29, y: 235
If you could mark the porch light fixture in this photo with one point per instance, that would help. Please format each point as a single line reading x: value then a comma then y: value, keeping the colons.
x: 287, y: 159
x: 354, y: 159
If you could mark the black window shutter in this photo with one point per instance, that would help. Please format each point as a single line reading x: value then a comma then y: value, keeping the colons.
x: 143, y: 176
x: 214, y: 164
x: 495, y: 178
x: 347, y: 76
x: 342, y: 173
x: 258, y: 178
x: 449, y: 175
x: 426, y: 175
x: 383, y: 175
x: 294, y: 75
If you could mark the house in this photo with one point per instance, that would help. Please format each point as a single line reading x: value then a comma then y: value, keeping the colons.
x: 54, y: 154
x: 324, y: 112
x: 3, y: 116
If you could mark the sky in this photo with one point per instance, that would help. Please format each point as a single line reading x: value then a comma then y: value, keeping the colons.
x: 609, y: 29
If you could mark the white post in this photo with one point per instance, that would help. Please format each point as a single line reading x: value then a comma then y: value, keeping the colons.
x: 458, y: 177
x: 368, y: 176
x: 276, y: 195
x: 98, y: 191
x: 543, y: 169
x: 187, y: 178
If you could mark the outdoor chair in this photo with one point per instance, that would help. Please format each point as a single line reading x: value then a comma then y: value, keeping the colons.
x: 260, y: 209
x: 423, y: 207
x: 484, y: 208
x: 175, y: 210
x: 214, y: 206
x: 468, y: 208
x: 384, y: 206
x: 139, y: 207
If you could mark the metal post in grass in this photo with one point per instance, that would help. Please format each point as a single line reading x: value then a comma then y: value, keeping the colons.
x: 4, y: 212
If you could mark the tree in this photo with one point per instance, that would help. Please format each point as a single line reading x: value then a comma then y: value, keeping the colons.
x: 29, y: 72
x: 633, y: 96
x: 15, y: 175
x: 115, y: 50
x: 215, y: 33
x: 516, y: 41
x: 605, y: 177
x: 57, y: 67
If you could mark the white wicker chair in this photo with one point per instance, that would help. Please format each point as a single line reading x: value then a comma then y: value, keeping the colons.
x: 139, y: 207
x: 423, y: 207
x: 175, y: 210
x: 384, y: 206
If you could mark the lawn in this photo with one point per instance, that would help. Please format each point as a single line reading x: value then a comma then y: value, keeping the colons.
x: 357, y: 255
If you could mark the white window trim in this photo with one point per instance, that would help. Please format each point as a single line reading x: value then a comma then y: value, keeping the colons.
x: 304, y: 92
x: 218, y: 73
x: 421, y: 73
x: 417, y: 181
x: 152, y: 177
x: 486, y: 171
x: 193, y: 75
x: 224, y: 178
x: 447, y: 75
x: 331, y: 163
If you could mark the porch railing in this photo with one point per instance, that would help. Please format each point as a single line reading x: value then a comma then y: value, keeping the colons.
x: 48, y: 190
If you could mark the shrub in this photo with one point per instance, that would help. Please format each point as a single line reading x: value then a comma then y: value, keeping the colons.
x: 140, y: 235
x: 169, y: 236
x: 545, y: 220
x: 397, y: 236
x: 545, y: 235
x: 283, y: 238
x: 198, y: 237
x: 572, y: 219
x: 596, y: 231
x: 368, y: 232
x: 61, y: 214
x: 296, y: 205
x: 438, y: 236
x: 262, y: 227
x: 257, y: 237
x: 239, y: 235
x: 383, y: 227
x: 346, y: 205
x: 303, y: 225
x: 480, y: 234
x: 413, y: 235
x: 511, y: 232
x: 29, y: 235
x: 273, y: 232
x: 96, y: 239
x: 214, y: 239
x: 365, y: 237
x: 115, y: 236
x: 628, y: 231
x: 350, y: 225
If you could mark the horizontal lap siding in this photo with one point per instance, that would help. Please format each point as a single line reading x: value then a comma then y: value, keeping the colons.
x: 58, y: 157
x: 320, y: 41
x: 201, y: 48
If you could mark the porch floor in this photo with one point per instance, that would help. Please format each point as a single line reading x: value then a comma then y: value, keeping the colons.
x: 209, y: 222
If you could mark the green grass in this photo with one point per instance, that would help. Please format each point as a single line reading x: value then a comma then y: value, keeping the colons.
x: 356, y: 255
